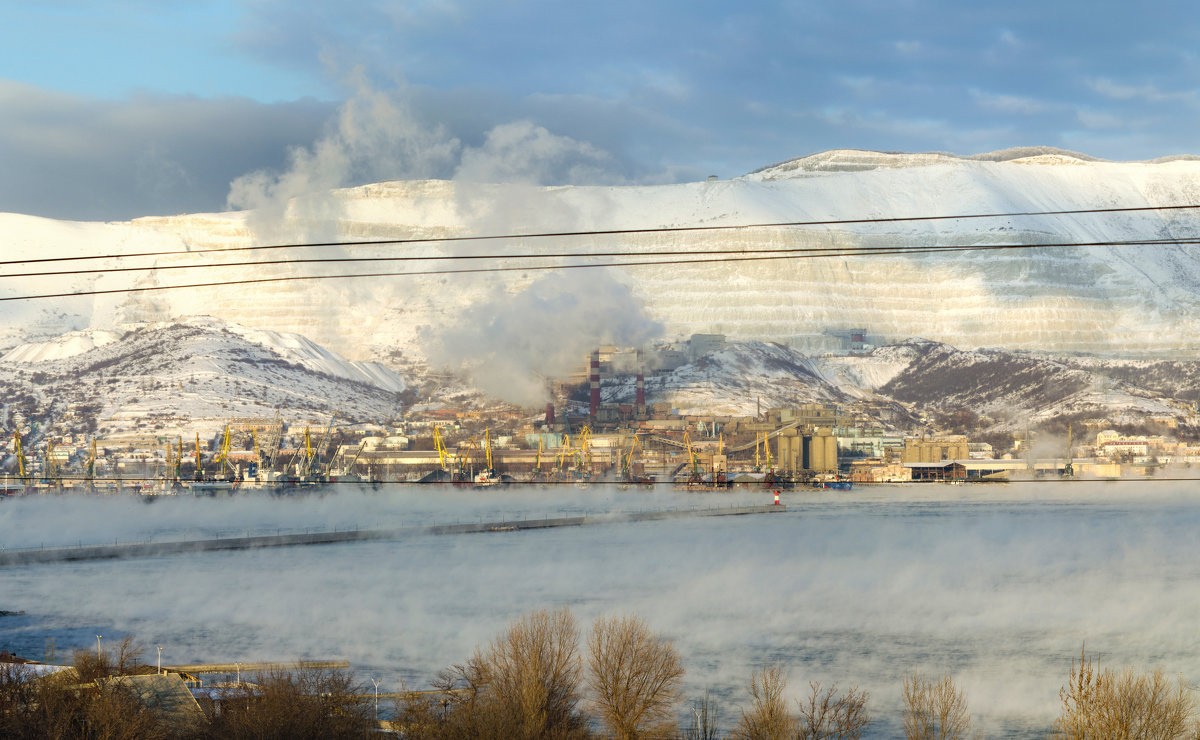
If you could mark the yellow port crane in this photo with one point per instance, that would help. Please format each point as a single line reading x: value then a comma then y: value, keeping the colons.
x: 199, y: 469
x: 222, y: 458
x: 312, y: 457
x: 20, y: 454
x: 627, y: 459
x: 49, y: 466
x: 564, y: 453
x: 766, y: 447
x: 440, y: 447
x: 692, y: 459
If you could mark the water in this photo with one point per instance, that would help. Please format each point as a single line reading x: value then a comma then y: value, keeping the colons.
x: 999, y: 585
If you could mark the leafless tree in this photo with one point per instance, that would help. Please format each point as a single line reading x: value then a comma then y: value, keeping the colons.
x: 768, y: 717
x: 828, y: 714
x: 1126, y: 704
x: 634, y: 677
x: 703, y: 723
x: 305, y: 703
x: 525, y: 685
x: 60, y: 706
x: 934, y: 708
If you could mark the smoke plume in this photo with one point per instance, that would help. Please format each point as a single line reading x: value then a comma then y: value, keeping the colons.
x: 506, y: 344
x: 376, y: 136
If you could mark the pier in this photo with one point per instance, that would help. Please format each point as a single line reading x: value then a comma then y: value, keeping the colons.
x: 183, y: 547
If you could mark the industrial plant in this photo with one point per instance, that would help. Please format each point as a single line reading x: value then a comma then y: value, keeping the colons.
x: 598, y: 427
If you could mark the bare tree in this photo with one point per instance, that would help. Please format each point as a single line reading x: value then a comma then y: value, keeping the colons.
x: 934, y: 708
x: 534, y: 672
x: 828, y: 714
x: 304, y: 703
x: 768, y: 717
x: 525, y: 684
x: 703, y: 724
x: 635, y: 677
x: 1128, y: 704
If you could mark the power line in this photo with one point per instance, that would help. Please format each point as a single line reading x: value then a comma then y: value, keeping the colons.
x: 734, y: 256
x: 782, y: 252
x: 607, y: 232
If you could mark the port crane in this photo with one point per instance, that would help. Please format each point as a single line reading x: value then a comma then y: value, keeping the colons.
x: 627, y: 459
x: 22, y: 464
x: 696, y: 476
x: 314, y: 457
x: 90, y: 466
x: 440, y: 447
x: 199, y: 468
x: 222, y: 458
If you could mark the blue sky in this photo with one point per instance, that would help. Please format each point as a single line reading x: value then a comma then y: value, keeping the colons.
x: 110, y: 110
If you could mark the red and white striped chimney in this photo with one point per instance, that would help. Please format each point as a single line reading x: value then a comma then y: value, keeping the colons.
x: 640, y: 399
x: 594, y: 379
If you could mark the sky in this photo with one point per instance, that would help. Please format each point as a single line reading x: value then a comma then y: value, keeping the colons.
x: 113, y: 110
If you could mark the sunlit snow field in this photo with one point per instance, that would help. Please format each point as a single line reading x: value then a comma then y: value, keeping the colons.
x: 1000, y: 585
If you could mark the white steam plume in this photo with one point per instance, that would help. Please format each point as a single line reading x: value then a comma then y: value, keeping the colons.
x: 507, y: 344
x: 522, y: 152
x: 376, y: 137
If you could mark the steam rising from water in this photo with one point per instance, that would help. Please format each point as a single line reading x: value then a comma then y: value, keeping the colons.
x: 999, y: 585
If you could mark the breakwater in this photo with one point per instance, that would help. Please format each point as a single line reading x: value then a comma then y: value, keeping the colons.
x: 296, y: 539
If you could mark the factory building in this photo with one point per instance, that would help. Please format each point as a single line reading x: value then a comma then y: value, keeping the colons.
x: 935, y: 449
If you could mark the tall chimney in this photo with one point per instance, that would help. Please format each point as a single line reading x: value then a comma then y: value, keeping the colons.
x: 594, y: 379
x: 640, y: 399
x: 550, y: 414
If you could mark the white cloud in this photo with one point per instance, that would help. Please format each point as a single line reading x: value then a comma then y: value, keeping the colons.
x: 1098, y: 120
x: 1150, y: 93
x: 999, y: 103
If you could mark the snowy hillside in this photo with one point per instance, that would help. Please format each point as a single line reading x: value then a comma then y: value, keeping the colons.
x: 738, y: 380
x: 1015, y: 390
x: 1126, y: 300
x: 180, y: 376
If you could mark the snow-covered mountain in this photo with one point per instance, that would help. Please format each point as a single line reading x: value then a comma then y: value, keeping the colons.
x: 183, y: 375
x: 1125, y: 300
x: 195, y: 374
x: 1018, y: 390
x: 737, y: 380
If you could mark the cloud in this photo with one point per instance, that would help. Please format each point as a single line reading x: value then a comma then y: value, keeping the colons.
x: 1098, y: 120
x: 83, y: 158
x: 998, y: 103
x: 1147, y: 92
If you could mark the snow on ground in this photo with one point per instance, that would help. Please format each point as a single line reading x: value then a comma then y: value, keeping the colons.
x: 68, y: 345
x: 1132, y: 300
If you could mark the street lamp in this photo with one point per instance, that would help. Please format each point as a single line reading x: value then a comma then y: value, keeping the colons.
x: 160, y: 660
x: 376, y: 682
x: 238, y: 665
x: 98, y: 656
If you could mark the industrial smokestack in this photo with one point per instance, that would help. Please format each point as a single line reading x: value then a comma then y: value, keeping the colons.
x: 549, y: 414
x: 640, y: 399
x: 594, y: 379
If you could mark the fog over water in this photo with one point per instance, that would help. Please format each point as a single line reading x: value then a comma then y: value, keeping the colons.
x: 999, y: 584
